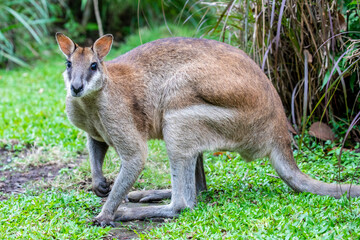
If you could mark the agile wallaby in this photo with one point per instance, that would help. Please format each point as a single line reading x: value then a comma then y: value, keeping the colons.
x: 197, y: 95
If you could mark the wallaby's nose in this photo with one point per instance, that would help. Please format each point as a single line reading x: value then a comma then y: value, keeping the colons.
x: 76, y: 88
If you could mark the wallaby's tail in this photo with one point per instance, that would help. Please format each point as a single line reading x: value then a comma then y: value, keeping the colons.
x: 285, y: 165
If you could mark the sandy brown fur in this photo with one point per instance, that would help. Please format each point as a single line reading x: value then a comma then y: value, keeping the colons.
x: 195, y: 94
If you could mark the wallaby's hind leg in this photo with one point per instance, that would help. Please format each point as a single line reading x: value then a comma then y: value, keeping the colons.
x: 158, y: 195
x: 97, y: 151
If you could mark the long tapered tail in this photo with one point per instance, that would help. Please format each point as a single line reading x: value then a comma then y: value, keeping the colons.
x: 285, y: 165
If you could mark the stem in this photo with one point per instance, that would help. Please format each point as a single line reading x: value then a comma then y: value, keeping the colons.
x: 98, y: 18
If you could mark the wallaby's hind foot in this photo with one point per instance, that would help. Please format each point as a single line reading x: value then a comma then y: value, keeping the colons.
x: 146, y: 196
x: 125, y: 214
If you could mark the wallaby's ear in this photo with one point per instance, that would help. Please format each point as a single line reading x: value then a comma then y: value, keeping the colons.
x: 102, y: 46
x: 66, y: 45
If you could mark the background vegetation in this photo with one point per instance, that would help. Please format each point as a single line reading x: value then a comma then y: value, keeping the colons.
x: 309, y: 50
x: 283, y: 37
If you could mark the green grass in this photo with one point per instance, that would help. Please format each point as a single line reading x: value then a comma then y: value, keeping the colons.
x: 243, y: 200
x: 51, y: 215
x: 32, y: 106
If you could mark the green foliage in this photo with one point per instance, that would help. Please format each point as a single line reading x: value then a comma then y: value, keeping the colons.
x: 52, y: 214
x: 23, y: 25
x: 350, y: 9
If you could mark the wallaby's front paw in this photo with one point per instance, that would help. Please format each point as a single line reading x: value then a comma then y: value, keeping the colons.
x: 101, y: 188
x: 103, y: 220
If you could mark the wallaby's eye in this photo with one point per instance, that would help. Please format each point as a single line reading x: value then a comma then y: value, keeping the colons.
x: 68, y: 64
x: 93, y: 66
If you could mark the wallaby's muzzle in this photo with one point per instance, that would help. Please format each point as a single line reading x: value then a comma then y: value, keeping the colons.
x: 76, y: 89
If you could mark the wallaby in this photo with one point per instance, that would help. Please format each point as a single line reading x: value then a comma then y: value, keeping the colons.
x: 196, y: 95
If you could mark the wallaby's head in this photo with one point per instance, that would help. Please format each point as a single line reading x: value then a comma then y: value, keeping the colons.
x: 84, y: 72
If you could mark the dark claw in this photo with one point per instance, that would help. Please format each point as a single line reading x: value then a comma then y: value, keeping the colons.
x: 103, y: 224
x: 104, y: 185
x: 101, y: 193
x: 95, y: 222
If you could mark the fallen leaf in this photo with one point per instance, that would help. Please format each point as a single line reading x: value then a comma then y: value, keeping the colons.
x: 310, y: 58
x: 218, y: 153
x: 342, y: 22
x: 321, y: 131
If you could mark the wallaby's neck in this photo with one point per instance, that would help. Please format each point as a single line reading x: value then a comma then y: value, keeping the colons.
x: 88, y: 103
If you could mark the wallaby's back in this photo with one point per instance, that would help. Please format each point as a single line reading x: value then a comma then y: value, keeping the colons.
x: 174, y: 73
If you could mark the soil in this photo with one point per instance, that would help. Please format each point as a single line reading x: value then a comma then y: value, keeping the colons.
x: 15, y: 181
x: 126, y: 230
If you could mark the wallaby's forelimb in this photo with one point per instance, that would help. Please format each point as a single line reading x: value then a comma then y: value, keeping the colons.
x: 130, y: 169
x: 97, y: 151
x: 158, y: 195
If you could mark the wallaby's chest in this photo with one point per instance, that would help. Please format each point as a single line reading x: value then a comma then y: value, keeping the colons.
x: 85, y: 116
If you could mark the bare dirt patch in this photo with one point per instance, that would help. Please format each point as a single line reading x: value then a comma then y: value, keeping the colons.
x: 13, y: 180
x: 126, y: 230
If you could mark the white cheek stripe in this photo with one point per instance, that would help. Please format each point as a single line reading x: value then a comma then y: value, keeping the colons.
x: 66, y: 80
x: 93, y: 84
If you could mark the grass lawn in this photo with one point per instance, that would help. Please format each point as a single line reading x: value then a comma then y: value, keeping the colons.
x: 243, y: 201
